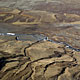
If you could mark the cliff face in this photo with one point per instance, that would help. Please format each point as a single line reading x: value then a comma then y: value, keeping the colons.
x: 44, y: 60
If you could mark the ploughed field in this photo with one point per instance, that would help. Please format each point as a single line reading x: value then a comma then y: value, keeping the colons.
x: 44, y: 60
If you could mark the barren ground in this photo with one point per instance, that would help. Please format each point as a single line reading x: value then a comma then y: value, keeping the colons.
x: 57, y: 19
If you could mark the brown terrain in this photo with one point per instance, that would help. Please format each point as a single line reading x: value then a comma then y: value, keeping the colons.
x: 44, y: 60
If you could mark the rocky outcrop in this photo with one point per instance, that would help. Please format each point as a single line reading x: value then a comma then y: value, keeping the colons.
x: 43, y: 61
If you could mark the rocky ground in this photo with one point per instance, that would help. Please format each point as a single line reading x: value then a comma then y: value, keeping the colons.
x: 43, y: 61
x: 57, y: 19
